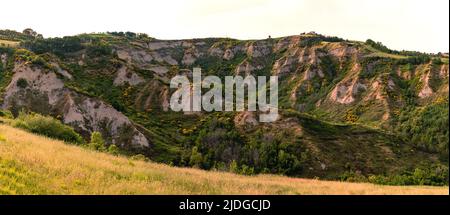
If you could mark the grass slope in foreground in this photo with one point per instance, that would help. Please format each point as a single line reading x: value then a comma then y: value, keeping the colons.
x: 31, y: 164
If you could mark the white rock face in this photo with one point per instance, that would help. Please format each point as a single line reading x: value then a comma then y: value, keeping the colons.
x: 376, y: 91
x: 136, y: 56
x: 165, y: 97
x: 160, y: 70
x: 391, y: 84
x: 443, y: 72
x: 100, y: 112
x: 309, y: 55
x: 216, y: 52
x: 258, y: 49
x: 62, y: 71
x: 228, y: 55
x: 126, y: 76
x: 192, y: 54
x: 189, y: 58
x: 124, y: 55
x: 77, y: 110
x: 345, y: 92
x: 162, y: 58
x: 283, y: 65
x: 245, y: 118
x: 157, y: 45
x: 3, y: 59
x: 426, y: 90
x: 341, y: 51
x: 47, y: 83
x: 313, y: 72
x: 245, y: 68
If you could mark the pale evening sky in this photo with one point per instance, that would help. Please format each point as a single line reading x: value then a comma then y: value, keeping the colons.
x: 421, y: 25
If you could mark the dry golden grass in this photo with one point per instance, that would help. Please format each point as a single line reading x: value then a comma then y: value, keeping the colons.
x: 31, y: 164
x: 8, y: 43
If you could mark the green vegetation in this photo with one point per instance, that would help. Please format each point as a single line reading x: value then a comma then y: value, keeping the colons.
x: 379, y: 46
x: 97, y: 142
x: 31, y: 164
x: 433, y: 175
x: 22, y: 83
x: 57, y: 46
x: 47, y: 126
x: 14, y: 36
x: 380, y: 137
x: 403, y: 57
x: 427, y: 127
x: 311, y: 40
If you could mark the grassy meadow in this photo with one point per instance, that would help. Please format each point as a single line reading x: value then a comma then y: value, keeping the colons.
x: 32, y: 164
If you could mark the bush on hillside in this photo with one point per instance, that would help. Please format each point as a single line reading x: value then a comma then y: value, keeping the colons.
x: 97, y: 142
x: 424, y: 175
x: 57, y: 46
x: 22, y: 83
x: 6, y: 114
x: 113, y: 149
x: 47, y: 126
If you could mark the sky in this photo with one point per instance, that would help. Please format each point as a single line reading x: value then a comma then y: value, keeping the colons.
x: 419, y: 25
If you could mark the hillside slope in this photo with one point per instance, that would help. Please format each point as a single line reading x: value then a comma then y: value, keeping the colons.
x: 347, y: 107
x: 31, y: 164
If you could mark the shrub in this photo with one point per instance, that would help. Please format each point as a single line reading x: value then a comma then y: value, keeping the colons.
x: 47, y: 126
x: 437, y: 61
x: 113, y: 149
x: 234, y: 167
x: 39, y: 61
x: 22, y: 83
x: 417, y: 177
x: 196, y: 158
x: 98, y: 49
x: 246, y: 170
x: 57, y: 46
x: 139, y: 157
x: 431, y: 175
x: 379, y: 46
x: 97, y: 141
x: 6, y: 114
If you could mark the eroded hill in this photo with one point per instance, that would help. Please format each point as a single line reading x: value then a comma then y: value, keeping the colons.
x: 347, y: 107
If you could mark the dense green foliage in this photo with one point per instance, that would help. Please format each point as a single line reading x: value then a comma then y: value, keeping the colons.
x: 414, y: 58
x: 97, y: 142
x: 432, y: 175
x: 317, y: 39
x: 219, y: 145
x: 47, y: 126
x: 427, y: 128
x: 14, y: 35
x: 57, y: 46
x: 22, y: 83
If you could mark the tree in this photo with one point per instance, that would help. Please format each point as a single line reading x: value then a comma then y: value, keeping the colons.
x: 97, y: 141
x: 130, y: 34
x: 196, y: 157
x: 113, y: 149
x: 22, y: 83
x: 234, y: 167
x: 30, y: 32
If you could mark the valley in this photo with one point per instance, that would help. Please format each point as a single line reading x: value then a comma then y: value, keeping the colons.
x: 348, y: 110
